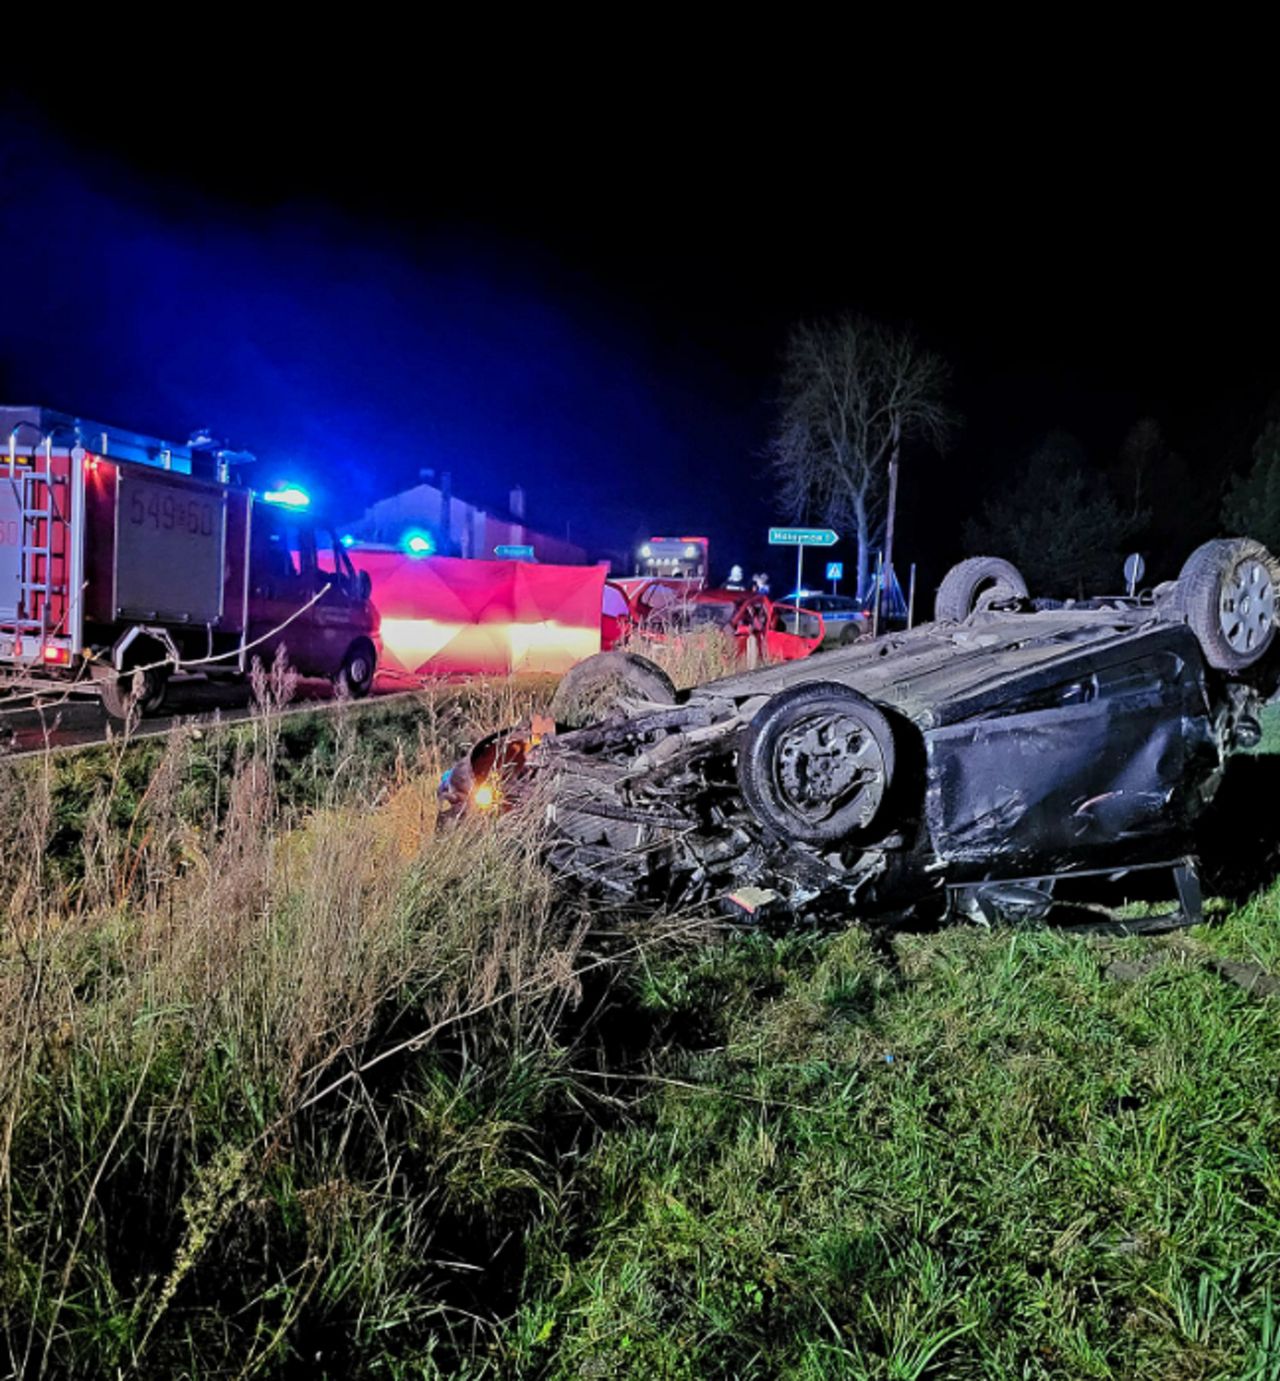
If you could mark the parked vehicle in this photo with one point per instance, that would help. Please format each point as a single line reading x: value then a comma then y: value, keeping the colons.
x: 660, y: 610
x: 978, y: 760
x: 120, y: 567
x: 686, y: 558
x: 844, y: 619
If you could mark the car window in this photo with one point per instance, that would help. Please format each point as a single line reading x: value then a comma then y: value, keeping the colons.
x: 717, y: 615
x: 333, y: 564
x: 1143, y: 674
x: 615, y: 601
x: 327, y: 562
x: 276, y: 545
x: 785, y: 621
x: 1153, y: 674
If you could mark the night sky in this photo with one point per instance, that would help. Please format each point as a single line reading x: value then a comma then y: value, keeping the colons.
x: 592, y: 305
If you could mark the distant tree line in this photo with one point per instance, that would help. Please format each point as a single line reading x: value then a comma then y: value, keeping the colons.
x: 1252, y: 504
x: 1069, y: 524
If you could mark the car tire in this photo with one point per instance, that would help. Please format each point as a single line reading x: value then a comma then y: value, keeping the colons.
x: 594, y: 690
x: 356, y: 674
x: 122, y: 696
x: 974, y: 584
x: 1227, y: 595
x: 776, y: 764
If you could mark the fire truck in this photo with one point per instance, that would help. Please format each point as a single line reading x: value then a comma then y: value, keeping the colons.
x: 125, y: 560
x: 680, y: 558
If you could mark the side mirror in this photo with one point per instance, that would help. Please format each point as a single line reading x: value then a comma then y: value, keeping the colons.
x: 365, y: 585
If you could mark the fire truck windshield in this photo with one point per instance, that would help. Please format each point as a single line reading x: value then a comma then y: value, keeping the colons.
x: 684, y: 558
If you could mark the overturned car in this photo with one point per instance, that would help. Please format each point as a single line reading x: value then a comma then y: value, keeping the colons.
x: 973, y: 762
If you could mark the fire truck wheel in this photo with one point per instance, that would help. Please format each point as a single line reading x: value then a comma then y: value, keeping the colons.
x: 139, y: 692
x: 355, y: 676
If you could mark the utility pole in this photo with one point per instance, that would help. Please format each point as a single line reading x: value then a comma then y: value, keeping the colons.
x: 887, y: 568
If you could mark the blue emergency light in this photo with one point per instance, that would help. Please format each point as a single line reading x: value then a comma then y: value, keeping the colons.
x: 289, y: 496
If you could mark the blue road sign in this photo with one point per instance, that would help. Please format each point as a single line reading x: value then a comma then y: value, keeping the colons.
x: 802, y: 537
x: 513, y: 553
x: 835, y: 570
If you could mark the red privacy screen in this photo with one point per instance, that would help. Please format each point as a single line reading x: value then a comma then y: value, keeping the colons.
x: 442, y: 615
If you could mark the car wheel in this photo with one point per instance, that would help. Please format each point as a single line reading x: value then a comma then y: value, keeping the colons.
x: 1227, y: 595
x: 139, y: 692
x: 359, y: 666
x: 816, y: 763
x: 595, y: 690
x: 976, y: 584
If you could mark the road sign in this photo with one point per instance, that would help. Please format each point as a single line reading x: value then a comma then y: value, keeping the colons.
x: 802, y: 537
x: 835, y: 570
x: 513, y: 553
x: 1134, y: 569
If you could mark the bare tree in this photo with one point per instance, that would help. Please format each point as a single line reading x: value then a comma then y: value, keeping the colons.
x: 851, y: 389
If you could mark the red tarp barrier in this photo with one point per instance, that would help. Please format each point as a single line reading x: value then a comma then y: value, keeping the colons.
x: 442, y: 615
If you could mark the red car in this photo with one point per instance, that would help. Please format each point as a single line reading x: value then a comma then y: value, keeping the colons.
x: 658, y: 610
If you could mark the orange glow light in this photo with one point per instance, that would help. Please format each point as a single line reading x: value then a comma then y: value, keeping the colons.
x: 484, y: 797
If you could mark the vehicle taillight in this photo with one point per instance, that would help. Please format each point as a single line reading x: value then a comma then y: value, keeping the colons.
x: 57, y: 656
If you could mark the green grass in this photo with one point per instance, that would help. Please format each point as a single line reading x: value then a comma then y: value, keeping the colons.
x: 961, y: 1154
x: 1270, y: 730
x: 994, y: 1160
x: 290, y: 1086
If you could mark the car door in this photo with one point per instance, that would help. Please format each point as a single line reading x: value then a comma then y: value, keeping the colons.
x: 615, y: 616
x: 281, y: 589
x: 749, y: 626
x: 793, y: 632
x: 1095, y: 760
x: 339, y: 611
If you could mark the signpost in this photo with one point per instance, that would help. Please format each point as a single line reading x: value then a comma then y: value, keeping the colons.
x: 513, y: 553
x: 801, y: 537
x: 835, y: 573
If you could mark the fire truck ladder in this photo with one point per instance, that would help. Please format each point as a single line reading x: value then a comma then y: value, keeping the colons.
x: 37, y: 511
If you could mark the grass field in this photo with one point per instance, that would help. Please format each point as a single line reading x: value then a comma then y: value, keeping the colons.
x: 292, y: 1084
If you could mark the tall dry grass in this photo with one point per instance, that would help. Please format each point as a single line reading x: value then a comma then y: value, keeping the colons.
x: 693, y: 657
x: 268, y: 1072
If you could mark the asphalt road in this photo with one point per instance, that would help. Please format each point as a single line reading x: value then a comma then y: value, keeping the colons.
x: 63, y: 724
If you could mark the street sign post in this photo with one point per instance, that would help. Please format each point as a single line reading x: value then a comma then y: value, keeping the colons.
x: 801, y: 537
x: 513, y: 553
x: 835, y: 573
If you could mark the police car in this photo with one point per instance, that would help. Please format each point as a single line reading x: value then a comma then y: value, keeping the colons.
x: 844, y: 619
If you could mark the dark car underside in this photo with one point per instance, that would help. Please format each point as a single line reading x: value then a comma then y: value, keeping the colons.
x: 976, y: 759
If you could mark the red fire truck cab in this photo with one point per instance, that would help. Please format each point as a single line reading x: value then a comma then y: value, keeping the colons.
x: 125, y: 559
